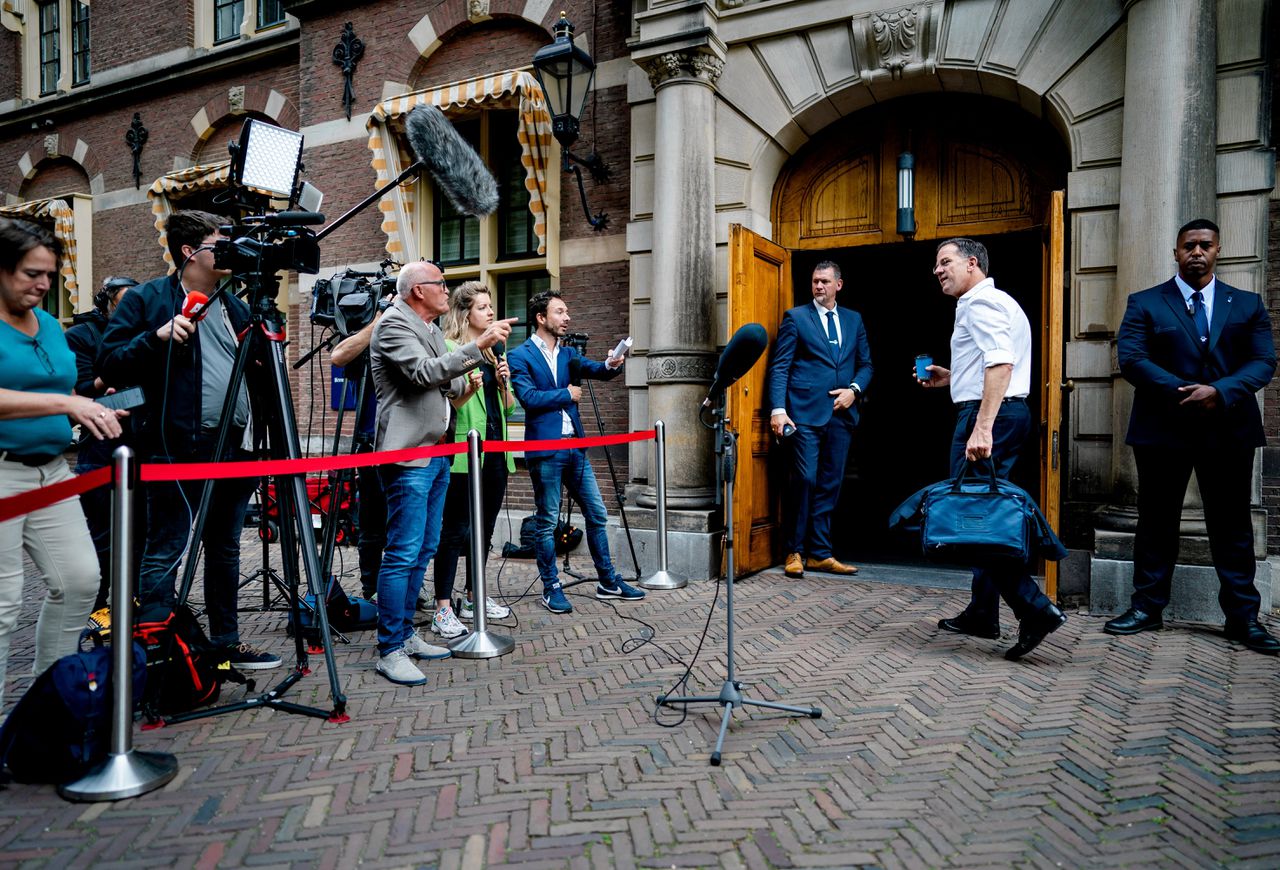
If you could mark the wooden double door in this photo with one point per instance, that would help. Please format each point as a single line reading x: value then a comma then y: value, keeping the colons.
x: 837, y: 200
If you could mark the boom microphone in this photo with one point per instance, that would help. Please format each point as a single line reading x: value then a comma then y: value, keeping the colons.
x: 453, y: 163
x: 740, y: 354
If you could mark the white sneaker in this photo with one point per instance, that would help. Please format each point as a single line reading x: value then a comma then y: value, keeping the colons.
x: 445, y: 624
x: 397, y: 668
x: 492, y: 610
x: 418, y: 648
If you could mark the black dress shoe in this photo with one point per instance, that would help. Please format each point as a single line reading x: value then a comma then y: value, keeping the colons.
x: 1034, y: 629
x: 962, y: 624
x: 1253, y: 636
x: 1133, y: 621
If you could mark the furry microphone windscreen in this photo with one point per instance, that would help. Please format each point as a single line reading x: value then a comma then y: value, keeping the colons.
x: 453, y: 163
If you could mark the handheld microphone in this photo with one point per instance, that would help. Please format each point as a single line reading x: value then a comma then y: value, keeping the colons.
x: 194, y: 307
x: 740, y: 354
x: 453, y: 163
x: 499, y: 351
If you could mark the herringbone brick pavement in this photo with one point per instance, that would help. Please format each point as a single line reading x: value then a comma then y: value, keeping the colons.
x: 1155, y: 750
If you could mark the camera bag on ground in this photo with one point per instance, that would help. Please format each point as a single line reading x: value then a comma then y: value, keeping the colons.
x: 345, y: 612
x: 184, y: 669
x: 565, y: 536
x: 61, y: 727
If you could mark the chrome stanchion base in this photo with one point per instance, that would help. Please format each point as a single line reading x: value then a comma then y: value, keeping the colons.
x: 122, y: 776
x: 481, y: 645
x: 665, y: 580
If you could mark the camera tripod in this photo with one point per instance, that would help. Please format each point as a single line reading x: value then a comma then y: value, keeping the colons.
x: 270, y: 578
x: 264, y: 342
x: 731, y: 690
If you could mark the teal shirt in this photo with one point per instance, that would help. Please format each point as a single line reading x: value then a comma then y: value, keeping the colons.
x: 474, y: 415
x: 43, y: 364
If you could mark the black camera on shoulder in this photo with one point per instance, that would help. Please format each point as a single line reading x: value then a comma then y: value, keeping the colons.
x: 577, y: 340
x: 349, y: 301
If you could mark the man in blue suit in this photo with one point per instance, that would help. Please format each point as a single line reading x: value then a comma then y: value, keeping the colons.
x: 1196, y: 351
x: 545, y: 373
x: 821, y: 365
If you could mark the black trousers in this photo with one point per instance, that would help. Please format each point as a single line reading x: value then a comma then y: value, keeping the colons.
x: 1225, y: 476
x: 817, y: 457
x: 455, y: 532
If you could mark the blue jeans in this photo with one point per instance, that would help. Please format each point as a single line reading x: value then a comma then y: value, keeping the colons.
x: 1008, y: 435
x: 170, y: 515
x: 415, y: 505
x: 568, y: 468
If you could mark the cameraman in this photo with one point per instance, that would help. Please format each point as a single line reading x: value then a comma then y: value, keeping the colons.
x: 545, y: 371
x: 184, y: 368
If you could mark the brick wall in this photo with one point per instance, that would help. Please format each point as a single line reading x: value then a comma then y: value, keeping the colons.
x: 56, y: 176
x: 124, y: 31
x: 10, y: 63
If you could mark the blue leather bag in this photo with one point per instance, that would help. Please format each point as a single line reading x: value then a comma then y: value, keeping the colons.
x: 977, y: 519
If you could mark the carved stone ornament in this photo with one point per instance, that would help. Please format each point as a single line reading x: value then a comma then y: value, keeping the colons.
x: 896, y: 42
x: 477, y: 10
x: 699, y: 369
x: 235, y: 99
x: 51, y: 145
x: 696, y: 65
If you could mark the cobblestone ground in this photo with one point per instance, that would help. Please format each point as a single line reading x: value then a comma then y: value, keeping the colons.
x: 932, y: 751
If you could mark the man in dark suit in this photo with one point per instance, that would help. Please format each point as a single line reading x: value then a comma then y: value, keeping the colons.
x: 1196, y: 351
x: 821, y: 365
x: 545, y: 372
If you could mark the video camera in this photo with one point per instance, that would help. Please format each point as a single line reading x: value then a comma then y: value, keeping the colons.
x: 267, y: 244
x: 577, y: 340
x: 349, y: 301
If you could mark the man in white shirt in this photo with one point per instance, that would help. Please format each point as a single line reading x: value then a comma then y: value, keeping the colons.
x: 990, y: 379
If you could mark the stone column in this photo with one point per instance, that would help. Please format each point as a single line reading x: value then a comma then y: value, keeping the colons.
x: 682, y: 346
x: 1168, y: 163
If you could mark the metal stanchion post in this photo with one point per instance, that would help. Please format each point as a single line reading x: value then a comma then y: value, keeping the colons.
x: 127, y: 772
x: 481, y: 643
x: 662, y: 578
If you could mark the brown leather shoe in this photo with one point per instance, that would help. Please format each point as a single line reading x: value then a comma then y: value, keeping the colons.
x: 794, y: 567
x: 830, y: 565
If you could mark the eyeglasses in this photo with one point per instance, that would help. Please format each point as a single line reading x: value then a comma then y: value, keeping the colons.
x: 43, y: 357
x: 441, y: 282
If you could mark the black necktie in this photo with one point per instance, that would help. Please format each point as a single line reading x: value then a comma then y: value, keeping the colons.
x: 832, y: 336
x: 1197, y: 311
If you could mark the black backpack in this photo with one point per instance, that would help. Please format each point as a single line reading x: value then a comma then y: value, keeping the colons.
x: 566, y: 537
x: 61, y: 727
x: 184, y: 670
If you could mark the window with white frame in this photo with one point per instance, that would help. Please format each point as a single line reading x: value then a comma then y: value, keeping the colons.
x: 501, y: 249
x: 219, y: 22
x: 57, y: 31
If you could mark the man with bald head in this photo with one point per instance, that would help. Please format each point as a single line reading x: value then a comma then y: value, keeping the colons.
x: 415, y: 375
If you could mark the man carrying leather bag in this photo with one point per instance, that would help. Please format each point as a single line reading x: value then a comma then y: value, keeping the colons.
x: 990, y: 377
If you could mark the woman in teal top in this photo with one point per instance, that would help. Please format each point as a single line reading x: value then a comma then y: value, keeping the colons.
x: 37, y: 411
x: 484, y: 407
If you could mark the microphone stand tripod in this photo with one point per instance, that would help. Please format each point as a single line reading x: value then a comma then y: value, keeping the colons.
x: 269, y: 576
x: 731, y: 690
x: 264, y: 342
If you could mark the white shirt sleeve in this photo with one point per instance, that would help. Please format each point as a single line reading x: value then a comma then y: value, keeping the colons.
x: 992, y: 331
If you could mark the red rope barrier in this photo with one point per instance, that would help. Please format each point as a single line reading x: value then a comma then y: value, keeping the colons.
x: 35, y: 499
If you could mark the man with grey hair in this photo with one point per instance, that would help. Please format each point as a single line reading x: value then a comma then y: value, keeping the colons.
x: 990, y: 377
x: 415, y: 375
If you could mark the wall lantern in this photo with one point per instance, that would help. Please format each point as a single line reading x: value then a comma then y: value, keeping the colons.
x: 906, y: 194
x: 565, y: 72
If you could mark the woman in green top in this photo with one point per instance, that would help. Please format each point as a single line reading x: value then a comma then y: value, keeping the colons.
x: 484, y: 407
x: 37, y: 410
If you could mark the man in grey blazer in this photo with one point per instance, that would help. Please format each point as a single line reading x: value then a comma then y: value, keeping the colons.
x: 415, y: 376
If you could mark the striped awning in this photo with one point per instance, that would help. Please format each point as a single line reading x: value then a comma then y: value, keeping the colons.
x: 172, y: 187
x: 391, y: 151
x: 57, y: 215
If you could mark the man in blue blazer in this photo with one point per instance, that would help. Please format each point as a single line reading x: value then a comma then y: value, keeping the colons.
x: 821, y: 365
x: 1196, y: 351
x: 545, y: 373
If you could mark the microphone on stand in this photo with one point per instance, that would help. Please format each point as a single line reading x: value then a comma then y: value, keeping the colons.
x: 740, y: 354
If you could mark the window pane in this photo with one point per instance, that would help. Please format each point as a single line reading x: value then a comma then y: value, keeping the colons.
x: 515, y: 237
x: 79, y: 42
x: 227, y: 15
x: 457, y: 236
x: 514, y: 292
x: 270, y: 13
x: 50, y: 62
